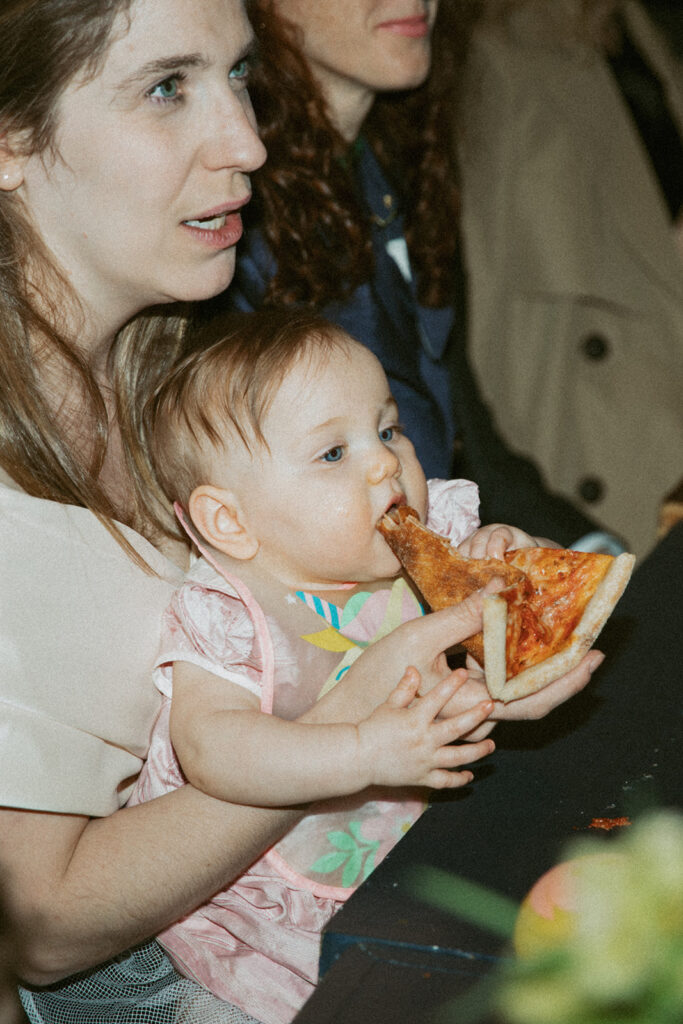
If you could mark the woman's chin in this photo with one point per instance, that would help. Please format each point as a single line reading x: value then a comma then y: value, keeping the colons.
x: 209, y: 282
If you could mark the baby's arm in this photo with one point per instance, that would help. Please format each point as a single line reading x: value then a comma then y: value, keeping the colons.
x: 494, y: 540
x: 231, y: 750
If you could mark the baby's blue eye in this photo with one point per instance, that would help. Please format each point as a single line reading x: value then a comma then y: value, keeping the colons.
x: 387, y: 434
x: 334, y: 454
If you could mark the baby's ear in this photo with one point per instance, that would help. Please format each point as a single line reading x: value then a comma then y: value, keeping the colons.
x: 216, y: 517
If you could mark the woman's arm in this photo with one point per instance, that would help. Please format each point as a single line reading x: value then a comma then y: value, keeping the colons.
x: 82, y: 890
x: 220, y: 737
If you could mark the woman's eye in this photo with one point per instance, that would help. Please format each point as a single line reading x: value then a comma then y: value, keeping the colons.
x: 241, y: 70
x: 166, y: 91
x: 334, y: 454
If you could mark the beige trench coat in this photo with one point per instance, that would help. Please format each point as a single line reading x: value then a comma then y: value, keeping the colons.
x: 575, y: 279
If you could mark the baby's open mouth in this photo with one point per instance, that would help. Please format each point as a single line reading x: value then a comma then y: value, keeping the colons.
x: 392, y: 513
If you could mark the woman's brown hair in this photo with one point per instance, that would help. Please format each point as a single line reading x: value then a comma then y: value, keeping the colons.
x: 52, y: 451
x: 305, y: 200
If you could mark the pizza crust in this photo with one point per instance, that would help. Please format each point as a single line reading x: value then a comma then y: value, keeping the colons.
x: 444, y: 577
x: 532, y: 679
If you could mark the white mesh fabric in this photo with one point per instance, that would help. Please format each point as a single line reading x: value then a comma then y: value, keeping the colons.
x: 140, y: 987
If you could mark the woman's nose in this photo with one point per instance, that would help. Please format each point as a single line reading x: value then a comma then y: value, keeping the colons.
x: 383, y: 463
x: 231, y: 138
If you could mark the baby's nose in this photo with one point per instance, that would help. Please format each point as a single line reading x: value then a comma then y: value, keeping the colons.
x: 383, y: 464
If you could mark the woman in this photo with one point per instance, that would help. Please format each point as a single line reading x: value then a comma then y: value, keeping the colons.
x: 572, y: 167
x: 126, y: 144
x: 360, y: 163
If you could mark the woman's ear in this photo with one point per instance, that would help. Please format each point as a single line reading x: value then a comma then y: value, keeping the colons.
x: 12, y: 163
x: 216, y: 517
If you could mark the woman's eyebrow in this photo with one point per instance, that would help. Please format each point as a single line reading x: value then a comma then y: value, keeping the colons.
x: 163, y: 66
x: 175, y: 62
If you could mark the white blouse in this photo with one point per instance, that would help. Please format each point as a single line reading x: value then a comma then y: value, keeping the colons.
x: 79, y: 631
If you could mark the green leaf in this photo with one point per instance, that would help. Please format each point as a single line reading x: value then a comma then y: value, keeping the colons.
x: 342, y: 840
x: 352, y: 869
x: 328, y: 863
x: 369, y: 863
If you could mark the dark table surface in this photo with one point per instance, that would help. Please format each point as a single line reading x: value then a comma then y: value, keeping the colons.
x: 612, y: 751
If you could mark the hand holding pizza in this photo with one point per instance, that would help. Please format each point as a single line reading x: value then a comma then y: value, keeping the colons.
x: 526, y: 709
x: 533, y: 707
x: 494, y: 540
x: 421, y: 643
x: 539, y: 624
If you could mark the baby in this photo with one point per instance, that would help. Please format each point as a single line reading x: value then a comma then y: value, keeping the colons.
x: 282, y: 447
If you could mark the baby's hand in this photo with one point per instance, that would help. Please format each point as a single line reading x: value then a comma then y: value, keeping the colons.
x: 403, y: 743
x: 494, y: 540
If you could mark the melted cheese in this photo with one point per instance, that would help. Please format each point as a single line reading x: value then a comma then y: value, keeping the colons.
x: 545, y: 608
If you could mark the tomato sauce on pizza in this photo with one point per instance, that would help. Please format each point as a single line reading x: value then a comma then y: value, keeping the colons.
x: 553, y: 605
x: 547, y: 605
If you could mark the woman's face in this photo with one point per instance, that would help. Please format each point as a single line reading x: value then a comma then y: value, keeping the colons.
x: 357, y: 48
x: 140, y: 205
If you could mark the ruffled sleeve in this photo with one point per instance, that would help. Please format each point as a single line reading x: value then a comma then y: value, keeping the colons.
x: 208, y: 625
x: 453, y: 508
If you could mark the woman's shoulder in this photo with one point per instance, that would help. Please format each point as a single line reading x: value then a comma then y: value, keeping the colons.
x: 80, y: 630
x: 29, y: 525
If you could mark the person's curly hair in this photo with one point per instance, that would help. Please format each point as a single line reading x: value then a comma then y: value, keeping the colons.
x: 305, y: 200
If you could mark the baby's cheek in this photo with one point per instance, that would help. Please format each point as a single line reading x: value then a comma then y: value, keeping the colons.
x: 333, y: 506
x: 343, y: 523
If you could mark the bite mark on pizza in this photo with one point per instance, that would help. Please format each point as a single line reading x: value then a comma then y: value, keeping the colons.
x: 539, y: 626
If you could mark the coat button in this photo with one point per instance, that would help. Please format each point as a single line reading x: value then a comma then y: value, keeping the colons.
x: 595, y: 347
x: 591, y: 489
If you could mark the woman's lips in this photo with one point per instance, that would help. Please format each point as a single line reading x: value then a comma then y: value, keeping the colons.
x: 415, y: 28
x: 219, y: 229
x: 217, y: 233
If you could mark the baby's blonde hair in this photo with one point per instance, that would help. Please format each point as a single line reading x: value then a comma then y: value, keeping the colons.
x: 219, y: 394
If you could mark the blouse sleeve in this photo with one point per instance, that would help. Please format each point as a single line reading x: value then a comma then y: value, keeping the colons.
x: 453, y: 508
x: 79, y: 631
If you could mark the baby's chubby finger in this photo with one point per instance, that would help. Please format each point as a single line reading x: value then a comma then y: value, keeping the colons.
x: 442, y: 778
x: 498, y: 544
x: 405, y: 692
x: 465, y: 753
x: 448, y: 730
x: 433, y: 702
x: 449, y: 772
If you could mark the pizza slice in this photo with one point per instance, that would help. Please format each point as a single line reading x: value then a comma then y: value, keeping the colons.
x: 554, y: 603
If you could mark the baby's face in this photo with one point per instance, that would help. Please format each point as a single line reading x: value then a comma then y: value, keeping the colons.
x: 336, y: 461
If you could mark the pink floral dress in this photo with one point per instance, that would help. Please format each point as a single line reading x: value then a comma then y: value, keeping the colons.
x: 256, y: 944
